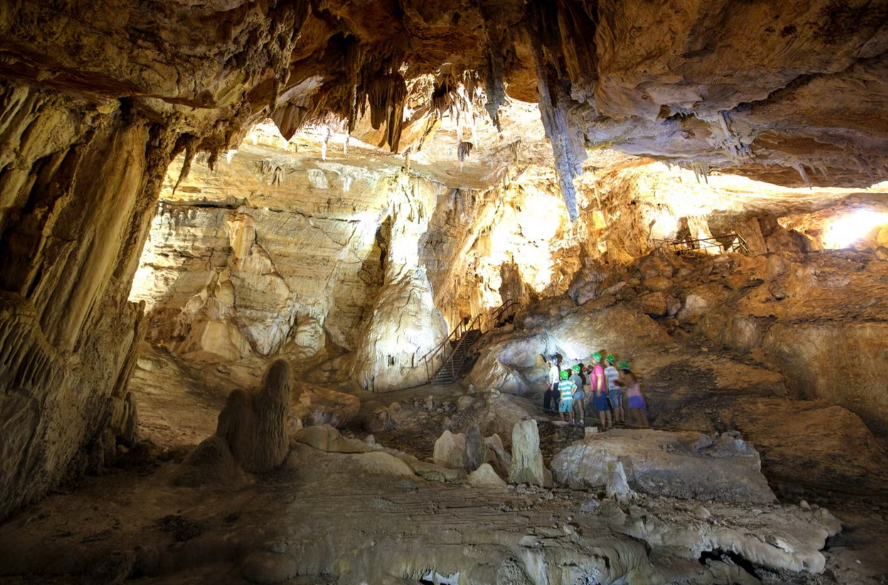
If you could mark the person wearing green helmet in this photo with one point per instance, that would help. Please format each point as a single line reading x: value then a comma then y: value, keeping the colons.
x: 566, y: 388
x: 614, y: 390
x: 579, y: 396
x: 598, y: 390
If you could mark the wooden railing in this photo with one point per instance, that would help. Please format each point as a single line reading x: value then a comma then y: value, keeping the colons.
x: 687, y: 245
x: 481, y: 322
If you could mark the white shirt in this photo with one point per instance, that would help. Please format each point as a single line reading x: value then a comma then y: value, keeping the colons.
x: 554, y: 374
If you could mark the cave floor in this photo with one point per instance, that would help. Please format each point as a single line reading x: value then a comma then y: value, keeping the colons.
x: 320, y: 519
x: 326, y: 512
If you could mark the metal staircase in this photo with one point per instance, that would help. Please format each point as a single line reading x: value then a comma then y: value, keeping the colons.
x: 460, y: 342
x: 450, y: 371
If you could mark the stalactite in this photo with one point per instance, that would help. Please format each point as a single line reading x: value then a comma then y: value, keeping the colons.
x: 801, y: 169
x: 355, y: 54
x: 187, y: 141
x: 731, y: 144
x: 567, y: 143
x: 464, y: 150
x: 496, y: 93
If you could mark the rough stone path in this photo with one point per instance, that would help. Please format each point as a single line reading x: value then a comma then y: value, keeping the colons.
x: 362, y: 518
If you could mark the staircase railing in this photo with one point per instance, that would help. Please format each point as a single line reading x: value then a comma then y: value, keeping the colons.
x: 687, y: 245
x: 458, y: 336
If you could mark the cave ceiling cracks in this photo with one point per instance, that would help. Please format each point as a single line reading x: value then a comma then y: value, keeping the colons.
x: 793, y: 93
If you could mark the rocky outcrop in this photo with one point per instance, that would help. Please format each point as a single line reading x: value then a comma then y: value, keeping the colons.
x: 798, y: 441
x: 315, y: 405
x: 404, y: 326
x: 255, y: 424
x: 682, y: 465
x: 80, y: 181
x: 527, y: 459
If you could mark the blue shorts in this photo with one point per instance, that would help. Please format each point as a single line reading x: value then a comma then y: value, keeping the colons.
x: 579, y: 395
x: 600, y: 402
x: 637, y: 402
x: 616, y: 398
x: 565, y: 405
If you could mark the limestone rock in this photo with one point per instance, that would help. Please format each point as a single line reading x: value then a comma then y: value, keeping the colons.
x: 475, y: 448
x: 654, y: 304
x: 254, y: 424
x: 496, y: 454
x: 527, y: 459
x: 315, y: 405
x: 615, y: 328
x: 797, y: 439
x: 210, y: 463
x: 380, y: 463
x: 450, y: 450
x: 700, y: 301
x: 657, y: 283
x: 328, y: 439
x: 433, y: 472
x: 618, y: 485
x: 485, y: 476
x: 664, y: 463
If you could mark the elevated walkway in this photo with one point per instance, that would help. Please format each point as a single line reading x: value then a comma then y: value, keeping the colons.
x: 460, y: 342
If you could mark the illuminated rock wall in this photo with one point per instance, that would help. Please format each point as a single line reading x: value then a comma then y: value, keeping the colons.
x: 79, y: 184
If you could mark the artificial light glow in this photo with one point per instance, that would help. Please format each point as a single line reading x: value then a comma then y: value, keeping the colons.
x: 849, y: 228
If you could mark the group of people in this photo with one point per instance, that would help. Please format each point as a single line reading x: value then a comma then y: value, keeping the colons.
x: 607, y: 384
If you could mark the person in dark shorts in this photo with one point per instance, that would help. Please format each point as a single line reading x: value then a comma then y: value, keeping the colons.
x: 550, y: 397
x: 614, y: 390
x: 579, y: 396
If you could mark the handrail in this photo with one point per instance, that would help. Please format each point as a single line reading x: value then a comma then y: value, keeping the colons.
x: 738, y: 244
x: 458, y: 335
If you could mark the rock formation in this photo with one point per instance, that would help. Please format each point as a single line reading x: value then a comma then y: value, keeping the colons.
x: 326, y: 190
x: 682, y: 465
x: 251, y: 434
x: 255, y: 424
x: 527, y: 460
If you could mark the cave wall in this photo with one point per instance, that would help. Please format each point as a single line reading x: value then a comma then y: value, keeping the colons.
x: 78, y: 184
x: 404, y: 326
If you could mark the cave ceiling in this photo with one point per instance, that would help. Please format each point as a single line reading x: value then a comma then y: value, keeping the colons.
x: 792, y: 93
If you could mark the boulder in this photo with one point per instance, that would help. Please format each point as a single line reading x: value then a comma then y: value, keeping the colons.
x: 475, y: 448
x: 496, y: 454
x: 658, y: 283
x: 314, y: 405
x: 491, y: 373
x: 700, y: 301
x: 485, y: 476
x: 676, y: 464
x: 527, y: 459
x: 210, y: 463
x: 798, y: 440
x: 328, y: 439
x: 450, y: 450
x: 380, y: 463
x: 433, y: 472
x: 654, y: 304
